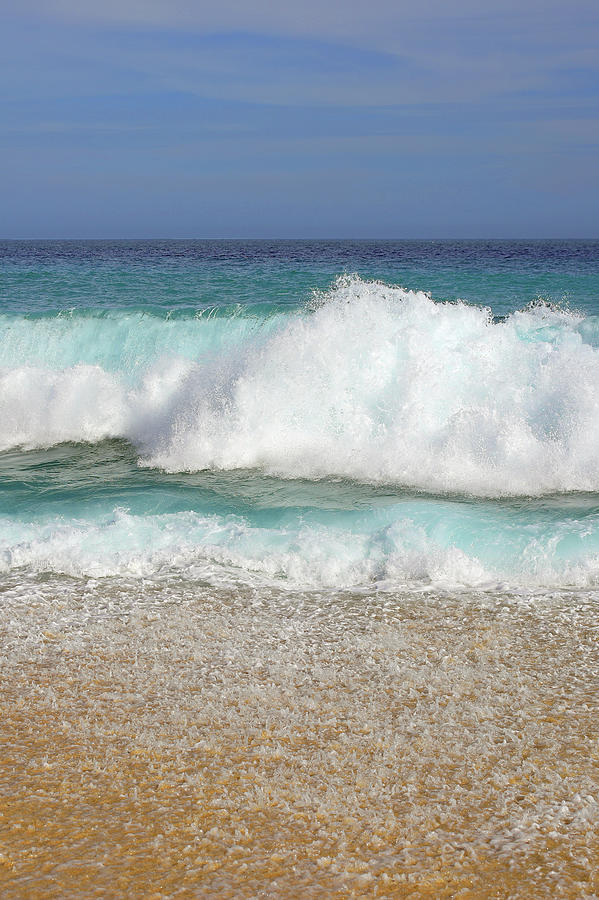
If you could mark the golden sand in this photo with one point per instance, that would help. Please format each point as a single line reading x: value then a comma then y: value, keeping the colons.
x: 211, y: 748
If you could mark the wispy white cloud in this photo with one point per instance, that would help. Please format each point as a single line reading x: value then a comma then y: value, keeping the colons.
x: 327, y: 111
x: 328, y: 51
x: 381, y: 23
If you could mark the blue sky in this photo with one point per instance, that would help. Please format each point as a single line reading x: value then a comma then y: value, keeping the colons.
x: 147, y: 118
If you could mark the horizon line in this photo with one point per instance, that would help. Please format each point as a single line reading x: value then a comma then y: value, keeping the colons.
x: 506, y: 237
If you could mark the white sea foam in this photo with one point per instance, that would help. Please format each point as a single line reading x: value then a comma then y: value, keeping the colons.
x: 373, y: 383
x: 395, y: 549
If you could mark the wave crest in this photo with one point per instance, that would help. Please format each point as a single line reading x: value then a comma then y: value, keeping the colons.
x: 373, y: 383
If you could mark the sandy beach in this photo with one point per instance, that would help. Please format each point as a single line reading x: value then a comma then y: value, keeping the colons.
x: 199, y: 744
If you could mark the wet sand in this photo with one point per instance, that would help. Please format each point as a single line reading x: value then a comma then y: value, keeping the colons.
x: 177, y: 742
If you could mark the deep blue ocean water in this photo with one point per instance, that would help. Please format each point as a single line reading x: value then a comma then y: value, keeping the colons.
x: 307, y: 414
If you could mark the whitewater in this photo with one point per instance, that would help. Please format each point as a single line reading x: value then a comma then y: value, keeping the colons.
x: 299, y: 569
x: 370, y: 382
x: 366, y: 384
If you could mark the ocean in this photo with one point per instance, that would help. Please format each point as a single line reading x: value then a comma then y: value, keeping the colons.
x: 299, y: 568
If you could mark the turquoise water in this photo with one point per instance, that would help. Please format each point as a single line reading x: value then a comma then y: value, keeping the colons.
x: 310, y: 414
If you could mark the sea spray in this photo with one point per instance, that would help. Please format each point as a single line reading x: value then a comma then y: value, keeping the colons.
x: 371, y: 382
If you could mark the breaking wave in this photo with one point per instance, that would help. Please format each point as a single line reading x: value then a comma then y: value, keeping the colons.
x: 368, y: 382
x: 440, y: 544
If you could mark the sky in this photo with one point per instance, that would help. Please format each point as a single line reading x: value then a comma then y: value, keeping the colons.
x: 329, y: 118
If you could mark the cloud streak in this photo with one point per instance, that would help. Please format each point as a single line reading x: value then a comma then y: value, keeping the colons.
x: 389, y: 24
x: 311, y: 117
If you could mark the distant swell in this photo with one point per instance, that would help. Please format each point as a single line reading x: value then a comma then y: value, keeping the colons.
x: 371, y: 383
